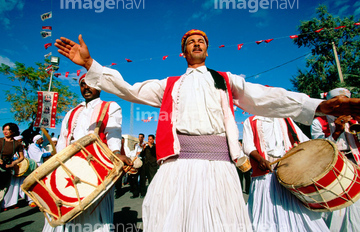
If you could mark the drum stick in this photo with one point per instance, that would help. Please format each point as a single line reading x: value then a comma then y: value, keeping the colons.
x: 129, y: 167
x: 49, y: 138
x: 287, y: 156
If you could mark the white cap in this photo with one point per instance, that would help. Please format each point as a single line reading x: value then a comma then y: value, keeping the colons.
x: 54, y: 139
x: 337, y: 92
x: 18, y: 137
x: 36, y: 138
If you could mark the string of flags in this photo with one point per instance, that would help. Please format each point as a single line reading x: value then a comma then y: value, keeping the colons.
x: 47, y: 32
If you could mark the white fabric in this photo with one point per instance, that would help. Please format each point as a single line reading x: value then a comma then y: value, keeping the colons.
x: 253, y: 98
x: 112, y: 131
x: 346, y: 219
x: 337, y: 92
x: 98, y: 217
x: 35, y: 152
x: 138, y: 149
x: 184, y: 196
x: 271, y: 206
x: 317, y: 133
x: 36, y: 138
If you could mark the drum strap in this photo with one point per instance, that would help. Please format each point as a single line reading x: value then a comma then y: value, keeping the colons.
x: 102, y: 116
x: 292, y: 134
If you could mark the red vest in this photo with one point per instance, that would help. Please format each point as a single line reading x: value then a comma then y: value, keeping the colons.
x: 165, y: 130
x: 72, y: 120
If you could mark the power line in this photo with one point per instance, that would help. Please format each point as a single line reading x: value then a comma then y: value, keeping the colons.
x: 278, y: 66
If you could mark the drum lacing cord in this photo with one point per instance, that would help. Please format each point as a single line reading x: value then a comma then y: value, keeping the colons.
x: 300, y: 195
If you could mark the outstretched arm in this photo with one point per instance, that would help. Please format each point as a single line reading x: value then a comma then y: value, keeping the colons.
x: 77, y: 53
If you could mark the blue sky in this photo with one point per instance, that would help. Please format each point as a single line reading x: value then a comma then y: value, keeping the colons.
x: 148, y: 30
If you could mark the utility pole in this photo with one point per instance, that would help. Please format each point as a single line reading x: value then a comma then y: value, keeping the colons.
x: 338, y: 63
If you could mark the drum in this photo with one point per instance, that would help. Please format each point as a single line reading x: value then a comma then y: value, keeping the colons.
x: 72, y: 180
x: 25, y: 167
x: 320, y: 176
x: 243, y: 164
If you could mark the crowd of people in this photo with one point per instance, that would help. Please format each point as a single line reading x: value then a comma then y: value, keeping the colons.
x: 193, y: 181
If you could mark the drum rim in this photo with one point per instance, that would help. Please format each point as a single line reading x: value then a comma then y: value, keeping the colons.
x: 326, y: 170
x: 28, y: 165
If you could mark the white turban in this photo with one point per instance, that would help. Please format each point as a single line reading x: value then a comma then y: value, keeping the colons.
x: 54, y: 139
x: 36, y: 138
x: 18, y: 137
x: 338, y: 92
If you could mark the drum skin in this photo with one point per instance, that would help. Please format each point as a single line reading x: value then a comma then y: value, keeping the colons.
x: 320, y: 176
x: 25, y: 167
x: 72, y: 180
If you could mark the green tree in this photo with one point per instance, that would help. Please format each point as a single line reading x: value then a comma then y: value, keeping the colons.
x: 23, y: 97
x: 321, y: 73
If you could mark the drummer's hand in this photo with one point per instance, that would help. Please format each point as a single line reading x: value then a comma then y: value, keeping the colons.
x: 125, y: 159
x: 77, y: 53
x: 10, y: 165
x: 264, y: 165
x: 340, y: 105
x: 340, y: 125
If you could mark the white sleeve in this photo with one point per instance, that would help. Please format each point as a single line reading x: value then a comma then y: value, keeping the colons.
x: 149, y: 92
x: 248, y: 138
x: 272, y: 102
x: 35, y: 153
x: 113, y: 127
x: 61, y: 144
x: 302, y: 137
x: 317, y: 131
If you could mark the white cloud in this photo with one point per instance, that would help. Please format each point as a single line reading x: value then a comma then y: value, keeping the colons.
x: 7, y: 6
x: 4, y: 110
x: 6, y: 61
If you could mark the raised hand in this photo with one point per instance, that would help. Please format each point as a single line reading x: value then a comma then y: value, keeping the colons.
x: 77, y: 53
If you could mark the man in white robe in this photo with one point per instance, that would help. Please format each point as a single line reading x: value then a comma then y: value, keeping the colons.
x: 271, y: 206
x: 99, y: 216
x: 194, y: 190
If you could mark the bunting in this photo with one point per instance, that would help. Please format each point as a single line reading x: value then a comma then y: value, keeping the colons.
x: 47, y: 45
x: 67, y: 74
x: 46, y: 28
x: 78, y: 72
x: 47, y: 55
x: 46, y: 16
x: 164, y: 57
x: 128, y: 60
x: 45, y: 34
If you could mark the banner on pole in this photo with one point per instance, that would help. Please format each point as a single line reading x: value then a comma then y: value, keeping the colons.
x: 47, y: 103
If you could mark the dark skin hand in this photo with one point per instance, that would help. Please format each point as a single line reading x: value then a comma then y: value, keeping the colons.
x: 340, y: 125
x: 339, y: 106
x: 263, y: 164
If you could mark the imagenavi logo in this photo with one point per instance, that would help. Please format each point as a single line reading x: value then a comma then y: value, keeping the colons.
x: 100, y: 5
x: 254, y: 5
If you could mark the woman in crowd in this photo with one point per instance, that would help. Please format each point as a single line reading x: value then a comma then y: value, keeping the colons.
x: 8, y: 147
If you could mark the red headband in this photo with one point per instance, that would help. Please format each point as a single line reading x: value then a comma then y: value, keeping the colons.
x: 193, y: 32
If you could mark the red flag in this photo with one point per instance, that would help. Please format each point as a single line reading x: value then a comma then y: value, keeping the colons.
x: 164, y: 57
x: 78, y: 72
x: 57, y: 74
x: 268, y: 40
x: 128, y: 60
x: 240, y: 46
x: 221, y: 46
x: 46, y: 27
x: 181, y: 54
x: 48, y: 68
x: 259, y: 42
x: 357, y: 24
x: 66, y: 74
x: 293, y: 36
x: 113, y: 64
x: 318, y: 30
x: 340, y: 27
x: 47, y: 45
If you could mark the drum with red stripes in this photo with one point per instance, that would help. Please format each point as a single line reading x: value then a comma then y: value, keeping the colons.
x: 72, y: 180
x: 320, y: 176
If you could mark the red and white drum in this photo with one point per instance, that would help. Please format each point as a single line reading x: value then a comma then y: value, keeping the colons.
x: 320, y: 176
x: 70, y: 181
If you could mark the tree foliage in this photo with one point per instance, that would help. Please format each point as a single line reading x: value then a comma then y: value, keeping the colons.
x: 23, y: 97
x: 321, y: 74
